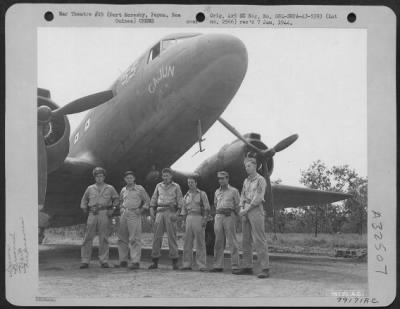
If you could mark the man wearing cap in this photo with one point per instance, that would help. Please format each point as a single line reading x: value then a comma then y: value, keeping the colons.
x: 167, y: 197
x: 196, y: 208
x: 226, y: 201
x: 252, y: 213
x: 133, y: 200
x: 100, y: 200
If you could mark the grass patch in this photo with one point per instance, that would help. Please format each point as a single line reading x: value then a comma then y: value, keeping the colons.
x: 352, y: 241
x: 299, y: 243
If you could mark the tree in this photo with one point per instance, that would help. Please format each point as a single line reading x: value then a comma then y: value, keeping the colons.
x: 352, y: 212
x: 355, y: 209
x: 317, y: 176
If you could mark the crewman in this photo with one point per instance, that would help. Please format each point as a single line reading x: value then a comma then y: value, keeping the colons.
x: 167, y: 197
x: 100, y: 200
x: 196, y: 209
x: 133, y: 200
x: 252, y: 214
x: 226, y: 201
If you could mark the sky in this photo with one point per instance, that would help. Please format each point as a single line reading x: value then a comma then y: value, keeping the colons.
x: 306, y: 81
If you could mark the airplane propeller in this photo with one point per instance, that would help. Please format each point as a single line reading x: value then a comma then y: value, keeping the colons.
x: 45, y: 114
x: 264, y: 155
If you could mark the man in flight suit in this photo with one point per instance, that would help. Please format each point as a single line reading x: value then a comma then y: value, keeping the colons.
x: 196, y: 208
x: 100, y: 200
x: 167, y: 197
x: 252, y: 213
x: 226, y: 201
x: 133, y: 200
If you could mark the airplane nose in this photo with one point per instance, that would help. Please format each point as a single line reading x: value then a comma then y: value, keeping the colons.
x: 220, y: 45
x: 225, y: 53
x: 220, y: 61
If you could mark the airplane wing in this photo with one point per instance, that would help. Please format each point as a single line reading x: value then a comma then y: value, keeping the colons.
x: 289, y: 196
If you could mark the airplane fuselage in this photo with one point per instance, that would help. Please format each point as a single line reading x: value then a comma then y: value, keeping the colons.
x: 152, y: 119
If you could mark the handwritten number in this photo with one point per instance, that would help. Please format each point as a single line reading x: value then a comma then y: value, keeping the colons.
x: 380, y: 246
x: 378, y: 236
x: 375, y: 226
x: 383, y: 272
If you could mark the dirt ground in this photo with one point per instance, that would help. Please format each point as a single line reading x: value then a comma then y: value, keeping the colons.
x: 291, y: 276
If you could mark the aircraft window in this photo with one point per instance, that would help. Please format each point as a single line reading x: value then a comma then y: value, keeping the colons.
x: 76, y: 138
x: 154, y: 52
x: 87, y: 124
x: 168, y: 43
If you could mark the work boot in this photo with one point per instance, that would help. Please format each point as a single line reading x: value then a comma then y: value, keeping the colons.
x: 105, y: 265
x: 243, y: 271
x: 134, y: 266
x: 175, y: 264
x: 216, y: 270
x: 84, y: 265
x: 154, y: 265
x: 121, y: 265
x: 263, y: 274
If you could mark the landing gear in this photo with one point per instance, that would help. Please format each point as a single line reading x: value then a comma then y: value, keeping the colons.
x: 41, y: 235
x: 210, y: 238
x: 44, y: 221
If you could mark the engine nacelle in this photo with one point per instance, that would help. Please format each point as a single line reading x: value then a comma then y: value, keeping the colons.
x: 56, y: 134
x: 230, y: 158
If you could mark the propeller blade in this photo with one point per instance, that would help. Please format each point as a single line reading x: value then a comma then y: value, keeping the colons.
x: 286, y: 142
x: 237, y: 134
x: 283, y: 144
x: 42, y: 167
x: 268, y: 191
x: 84, y: 103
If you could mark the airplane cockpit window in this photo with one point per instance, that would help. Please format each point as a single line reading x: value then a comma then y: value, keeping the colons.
x: 154, y: 52
x: 167, y: 43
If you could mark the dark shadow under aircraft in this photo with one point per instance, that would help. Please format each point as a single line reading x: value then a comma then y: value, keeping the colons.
x: 151, y: 115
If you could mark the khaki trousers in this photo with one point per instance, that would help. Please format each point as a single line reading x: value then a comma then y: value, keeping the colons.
x: 98, y: 224
x: 130, y: 236
x: 163, y: 224
x: 194, y: 232
x: 224, y: 227
x: 254, y: 234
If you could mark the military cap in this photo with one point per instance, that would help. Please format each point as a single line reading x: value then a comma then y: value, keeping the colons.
x: 166, y: 170
x: 129, y: 173
x: 222, y: 174
x: 98, y: 170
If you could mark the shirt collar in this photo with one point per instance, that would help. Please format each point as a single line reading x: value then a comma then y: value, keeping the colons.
x: 134, y: 187
x: 251, y: 178
x: 228, y: 187
x: 97, y: 188
x: 168, y: 185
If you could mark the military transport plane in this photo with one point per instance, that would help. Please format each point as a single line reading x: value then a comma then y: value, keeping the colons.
x: 151, y: 115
